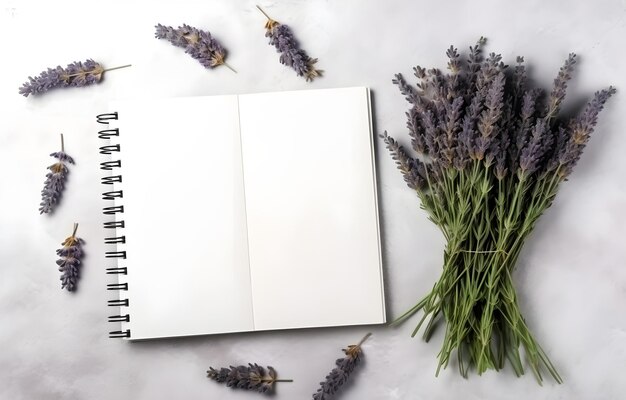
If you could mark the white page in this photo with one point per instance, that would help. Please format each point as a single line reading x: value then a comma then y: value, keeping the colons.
x: 188, y: 271
x: 311, y: 207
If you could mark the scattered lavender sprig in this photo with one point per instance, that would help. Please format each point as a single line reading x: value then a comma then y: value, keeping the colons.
x: 199, y: 44
x: 69, y: 261
x: 251, y: 377
x: 340, y: 374
x: 55, y: 180
x: 282, y: 38
x: 490, y: 154
x: 75, y: 74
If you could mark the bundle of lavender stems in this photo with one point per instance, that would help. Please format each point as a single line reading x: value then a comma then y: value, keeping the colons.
x: 489, y: 156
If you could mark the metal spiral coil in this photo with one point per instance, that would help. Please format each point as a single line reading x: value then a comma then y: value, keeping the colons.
x: 116, y: 210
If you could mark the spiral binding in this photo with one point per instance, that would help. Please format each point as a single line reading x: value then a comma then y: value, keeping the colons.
x: 113, y: 195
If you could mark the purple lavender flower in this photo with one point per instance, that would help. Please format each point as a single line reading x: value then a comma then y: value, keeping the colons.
x: 451, y: 127
x: 282, y: 38
x: 412, y: 169
x: 474, y: 63
x: 199, y: 44
x: 250, y: 377
x: 560, y: 85
x: 478, y: 111
x: 75, y: 74
x: 55, y: 180
x: 532, y: 151
x: 69, y: 261
x: 580, y: 129
x: 339, y: 375
x: 489, y: 119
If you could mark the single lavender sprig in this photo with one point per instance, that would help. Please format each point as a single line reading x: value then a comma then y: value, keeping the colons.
x: 282, y: 38
x: 251, y: 377
x: 55, y: 180
x: 340, y: 374
x: 199, y: 44
x: 69, y: 261
x: 75, y: 74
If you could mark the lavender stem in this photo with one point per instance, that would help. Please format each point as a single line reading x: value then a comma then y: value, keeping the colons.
x: 364, y: 339
x: 264, y: 13
x: 120, y: 67
x: 229, y: 67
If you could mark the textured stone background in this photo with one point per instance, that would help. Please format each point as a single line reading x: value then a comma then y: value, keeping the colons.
x: 571, y: 276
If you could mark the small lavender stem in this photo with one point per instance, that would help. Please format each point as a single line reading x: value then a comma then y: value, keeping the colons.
x: 364, y: 339
x: 75, y: 229
x: 230, y: 68
x: 120, y: 67
x: 264, y: 13
x: 62, y: 144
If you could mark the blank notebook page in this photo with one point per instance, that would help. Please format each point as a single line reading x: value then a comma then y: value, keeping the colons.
x: 311, y: 208
x: 187, y: 258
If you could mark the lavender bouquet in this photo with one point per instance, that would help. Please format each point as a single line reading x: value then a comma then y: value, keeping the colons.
x: 490, y: 156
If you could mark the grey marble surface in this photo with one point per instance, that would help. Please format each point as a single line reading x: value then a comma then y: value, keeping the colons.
x: 571, y: 276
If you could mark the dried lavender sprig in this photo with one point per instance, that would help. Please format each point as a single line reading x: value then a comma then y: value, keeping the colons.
x: 282, y: 38
x: 250, y: 377
x: 199, y: 44
x: 69, y: 261
x: 55, y: 180
x: 340, y: 374
x: 75, y: 74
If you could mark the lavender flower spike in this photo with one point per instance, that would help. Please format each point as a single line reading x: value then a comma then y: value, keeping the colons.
x: 55, y: 180
x: 581, y: 129
x: 560, y: 86
x: 340, y: 374
x: 282, y: 38
x: 75, y: 74
x: 69, y: 261
x: 251, y: 377
x: 199, y: 44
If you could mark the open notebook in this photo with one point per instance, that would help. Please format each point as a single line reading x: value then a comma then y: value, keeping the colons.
x: 242, y: 213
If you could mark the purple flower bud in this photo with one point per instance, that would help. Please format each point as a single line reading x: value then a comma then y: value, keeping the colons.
x: 339, y: 375
x: 69, y: 261
x: 75, y: 74
x: 282, y: 38
x: 580, y: 130
x: 251, y: 377
x: 534, y: 149
x: 199, y: 44
x: 411, y: 168
x: 560, y: 85
x: 55, y: 182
